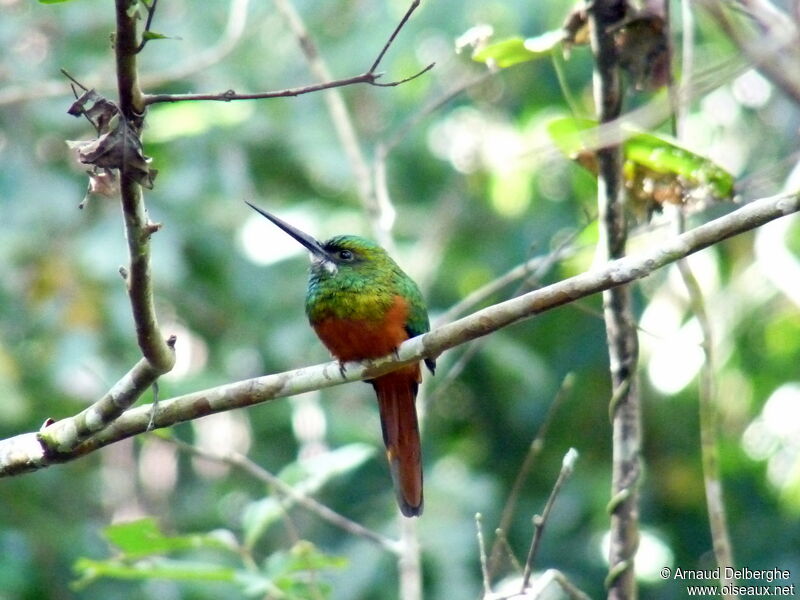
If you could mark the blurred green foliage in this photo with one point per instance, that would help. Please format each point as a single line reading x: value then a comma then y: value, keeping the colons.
x: 478, y: 189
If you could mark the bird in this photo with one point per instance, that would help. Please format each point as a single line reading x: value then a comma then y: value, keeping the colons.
x: 362, y: 306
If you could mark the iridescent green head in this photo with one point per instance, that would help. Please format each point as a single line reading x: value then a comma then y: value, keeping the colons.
x: 354, y: 278
x: 346, y: 256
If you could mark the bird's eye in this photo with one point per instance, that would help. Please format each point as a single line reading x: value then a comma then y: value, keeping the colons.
x: 345, y: 255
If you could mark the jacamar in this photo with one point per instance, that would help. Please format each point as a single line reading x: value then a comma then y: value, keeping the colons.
x: 362, y: 305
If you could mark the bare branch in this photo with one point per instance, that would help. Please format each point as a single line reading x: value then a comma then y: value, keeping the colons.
x: 240, y: 461
x: 527, y: 464
x: 487, y: 581
x: 397, y: 29
x: 709, y: 452
x: 539, y: 521
x: 25, y: 453
x: 198, y: 62
x: 125, y: 48
x: 342, y: 123
x: 773, y: 49
x: 230, y: 95
x: 370, y: 77
x: 407, y: 79
x: 138, y: 229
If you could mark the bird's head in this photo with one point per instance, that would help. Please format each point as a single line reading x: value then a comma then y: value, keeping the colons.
x: 339, y: 256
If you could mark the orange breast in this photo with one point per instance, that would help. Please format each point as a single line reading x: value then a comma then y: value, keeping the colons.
x: 357, y: 339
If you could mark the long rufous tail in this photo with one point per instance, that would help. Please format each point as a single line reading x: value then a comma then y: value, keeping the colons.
x: 396, y: 394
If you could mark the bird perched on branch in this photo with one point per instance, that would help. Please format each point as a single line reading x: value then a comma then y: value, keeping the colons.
x: 363, y: 306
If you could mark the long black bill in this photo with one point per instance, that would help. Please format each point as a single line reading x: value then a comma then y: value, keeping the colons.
x: 309, y: 242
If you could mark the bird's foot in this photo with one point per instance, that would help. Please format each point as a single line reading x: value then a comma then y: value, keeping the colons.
x: 342, y: 369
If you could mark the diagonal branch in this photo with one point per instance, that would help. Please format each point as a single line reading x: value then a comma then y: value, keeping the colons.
x: 539, y: 521
x: 772, y: 50
x: 397, y: 29
x: 25, y: 453
x: 370, y: 77
x: 341, y: 119
x: 240, y: 461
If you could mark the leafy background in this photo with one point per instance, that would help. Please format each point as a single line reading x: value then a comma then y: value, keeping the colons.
x: 478, y: 188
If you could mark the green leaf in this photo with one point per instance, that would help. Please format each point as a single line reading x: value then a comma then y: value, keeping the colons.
x: 91, y: 570
x: 288, y: 571
x: 516, y: 50
x: 303, y: 556
x: 307, y: 477
x: 663, y: 155
x: 572, y: 135
x: 647, y: 154
x: 144, y: 538
x: 53, y: 1
x: 152, y: 35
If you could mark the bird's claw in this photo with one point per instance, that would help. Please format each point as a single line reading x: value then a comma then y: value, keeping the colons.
x: 342, y: 369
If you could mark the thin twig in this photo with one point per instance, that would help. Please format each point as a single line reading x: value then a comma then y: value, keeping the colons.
x: 501, y: 539
x: 529, y: 271
x: 389, y: 145
x: 24, y: 452
x: 558, y: 66
x: 527, y: 464
x: 198, y: 62
x: 73, y: 80
x: 397, y: 29
x: 776, y: 60
x: 340, y: 118
x: 240, y: 461
x: 151, y: 12
x: 709, y: 451
x: 487, y: 581
x: 405, y: 80
x: 539, y: 521
x: 535, y: 266
x: 230, y: 95
x: 370, y: 77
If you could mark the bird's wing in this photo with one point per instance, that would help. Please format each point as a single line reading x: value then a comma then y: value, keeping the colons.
x: 418, y: 322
